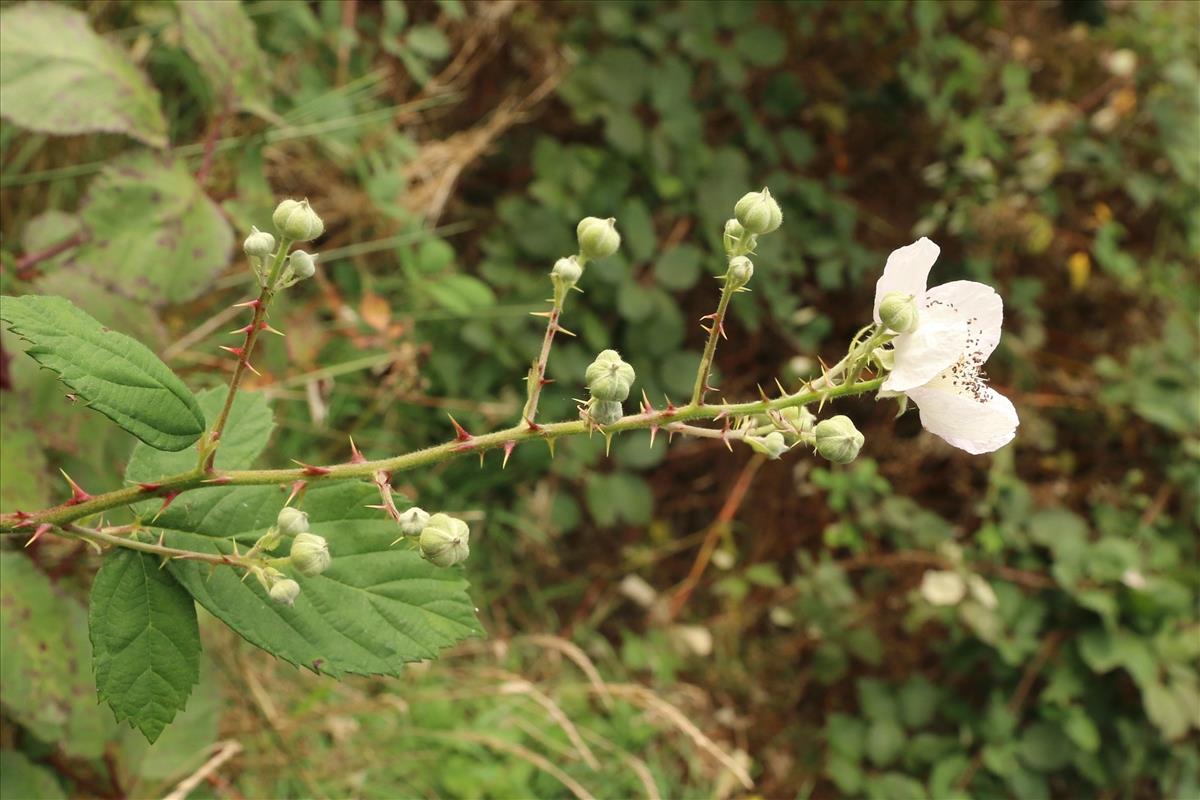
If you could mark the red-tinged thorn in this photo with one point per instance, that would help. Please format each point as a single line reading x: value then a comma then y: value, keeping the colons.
x: 508, y: 448
x: 460, y: 432
x: 311, y: 469
x: 250, y: 367
x: 721, y: 329
x: 728, y: 446
x: 243, y: 330
x: 41, y: 529
x: 646, y: 407
x: 723, y: 414
x: 265, y: 327
x: 255, y: 303
x: 463, y: 447
x: 531, y: 426
x: 356, y: 456
x: 22, y: 515
x: 545, y: 381
x: 297, y: 488
x: 167, y: 498
x: 78, y: 495
x: 653, y: 433
x: 149, y: 487
x: 237, y: 351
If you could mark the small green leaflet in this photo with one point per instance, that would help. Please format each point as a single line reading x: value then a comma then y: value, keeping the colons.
x: 57, y: 76
x: 114, y: 374
x: 376, y: 607
x: 246, y: 435
x: 145, y: 640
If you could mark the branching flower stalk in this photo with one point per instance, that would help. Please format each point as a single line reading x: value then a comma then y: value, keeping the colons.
x: 904, y: 349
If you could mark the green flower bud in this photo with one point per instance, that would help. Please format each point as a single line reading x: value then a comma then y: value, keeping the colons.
x: 598, y: 238
x: 608, y: 377
x: 605, y: 412
x: 284, y: 591
x: 413, y: 521
x: 297, y: 221
x: 898, y: 312
x: 310, y: 554
x: 304, y: 265
x: 758, y: 212
x: 741, y: 270
x: 292, y: 521
x: 798, y: 418
x: 772, y: 445
x: 567, y: 270
x: 445, y: 541
x: 259, y: 243
x: 737, y: 241
x: 838, y: 440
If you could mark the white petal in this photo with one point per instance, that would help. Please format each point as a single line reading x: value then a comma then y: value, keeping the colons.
x: 979, y: 421
x: 942, y: 587
x: 938, y: 342
x: 907, y: 271
x: 980, y: 306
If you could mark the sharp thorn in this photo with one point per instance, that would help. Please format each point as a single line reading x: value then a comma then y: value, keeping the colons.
x: 41, y: 529
x: 508, y: 448
x: 460, y: 432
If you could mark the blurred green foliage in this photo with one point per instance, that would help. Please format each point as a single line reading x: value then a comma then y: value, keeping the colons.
x: 1056, y: 160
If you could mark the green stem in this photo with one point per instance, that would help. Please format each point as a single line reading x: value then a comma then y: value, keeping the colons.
x: 212, y: 440
x: 710, y: 347
x: 188, y: 481
x: 130, y: 543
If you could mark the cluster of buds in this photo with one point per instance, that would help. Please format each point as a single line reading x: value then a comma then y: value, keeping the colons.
x: 441, y: 539
x: 776, y: 432
x: 295, y: 221
x: 609, y: 379
x: 598, y: 238
x: 308, y: 555
x: 754, y: 215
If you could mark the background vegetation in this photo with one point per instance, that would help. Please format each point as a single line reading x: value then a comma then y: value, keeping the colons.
x: 671, y: 621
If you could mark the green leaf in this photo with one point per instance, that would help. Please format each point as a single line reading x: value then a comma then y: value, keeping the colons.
x: 57, y: 76
x: 375, y: 608
x: 428, y: 42
x: 461, y: 294
x: 116, y: 375
x: 876, y: 701
x: 145, y: 640
x: 21, y: 779
x: 23, y: 483
x: 220, y: 37
x: 1165, y: 711
x: 245, y: 437
x: 155, y: 235
x: 885, y: 740
x: 43, y: 682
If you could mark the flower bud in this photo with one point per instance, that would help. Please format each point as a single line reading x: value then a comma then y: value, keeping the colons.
x: 772, y: 445
x: 799, y: 418
x: 259, y: 243
x: 413, y: 521
x: 837, y: 439
x: 758, y: 212
x: 295, y: 220
x: 310, y: 554
x: 304, y: 265
x: 898, y: 312
x: 605, y: 412
x: 567, y: 270
x: 284, y: 591
x: 445, y: 540
x: 292, y: 521
x: 741, y: 270
x: 608, y: 377
x: 598, y: 238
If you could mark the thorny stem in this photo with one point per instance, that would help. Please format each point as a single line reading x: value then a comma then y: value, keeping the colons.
x: 710, y: 348
x: 537, y: 374
x: 208, y: 451
x: 20, y: 522
x: 105, y: 536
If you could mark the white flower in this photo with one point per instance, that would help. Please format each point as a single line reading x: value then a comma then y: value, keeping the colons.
x: 942, y: 587
x: 939, y: 363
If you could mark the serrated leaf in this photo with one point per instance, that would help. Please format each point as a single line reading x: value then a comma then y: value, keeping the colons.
x: 155, y: 236
x: 58, y: 76
x: 246, y: 434
x: 145, y: 641
x: 187, y: 741
x: 44, y: 683
x: 220, y: 37
x: 116, y: 375
x: 23, y: 483
x: 375, y: 608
